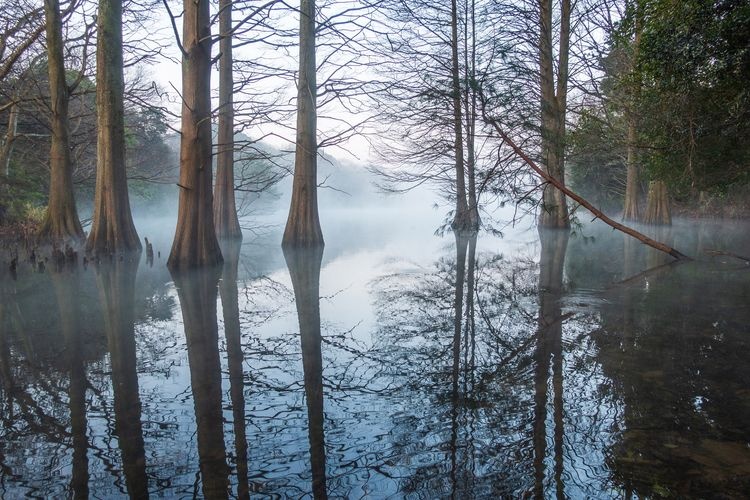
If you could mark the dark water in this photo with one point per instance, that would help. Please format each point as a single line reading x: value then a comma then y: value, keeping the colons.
x: 393, y: 364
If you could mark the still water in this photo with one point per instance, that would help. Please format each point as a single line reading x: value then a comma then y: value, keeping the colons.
x: 396, y: 363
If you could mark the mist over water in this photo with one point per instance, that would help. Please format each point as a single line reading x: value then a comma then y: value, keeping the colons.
x: 398, y: 363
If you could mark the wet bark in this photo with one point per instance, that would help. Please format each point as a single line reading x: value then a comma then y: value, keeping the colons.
x: 554, y: 210
x: 235, y: 357
x: 657, y: 205
x: 195, y: 243
x: 304, y: 270
x: 303, y: 224
x: 61, y: 221
x: 225, y: 208
x: 112, y: 228
x: 116, y: 285
x: 197, y: 293
x: 461, y: 219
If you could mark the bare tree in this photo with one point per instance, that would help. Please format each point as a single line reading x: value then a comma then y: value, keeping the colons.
x: 195, y: 243
x: 303, y: 224
x: 225, y: 209
x: 554, y: 93
x: 112, y: 229
x: 61, y: 221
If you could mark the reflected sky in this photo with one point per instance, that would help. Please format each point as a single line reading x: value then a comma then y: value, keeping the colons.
x: 393, y: 363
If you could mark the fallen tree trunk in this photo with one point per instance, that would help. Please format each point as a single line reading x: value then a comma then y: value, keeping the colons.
x: 570, y: 194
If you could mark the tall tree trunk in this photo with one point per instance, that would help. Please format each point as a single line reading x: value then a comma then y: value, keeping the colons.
x: 470, y: 97
x: 225, y: 209
x: 61, y: 221
x: 112, y: 228
x: 657, y: 205
x: 554, y: 213
x: 10, y: 137
x: 303, y: 224
x: 195, y: 242
x: 461, y: 218
x: 630, y: 209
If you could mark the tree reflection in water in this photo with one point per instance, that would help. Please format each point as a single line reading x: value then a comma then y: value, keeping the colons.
x: 304, y: 270
x: 197, y: 291
x: 230, y: 250
x: 115, y: 280
x: 480, y: 374
x: 554, y: 245
x: 67, y: 289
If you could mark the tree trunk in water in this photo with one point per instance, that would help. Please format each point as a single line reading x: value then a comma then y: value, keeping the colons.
x: 303, y: 225
x: 554, y: 213
x: 195, y: 242
x: 461, y: 219
x: 304, y: 270
x: 657, y: 206
x: 225, y: 209
x: 61, y: 221
x: 630, y: 211
x: 112, y: 228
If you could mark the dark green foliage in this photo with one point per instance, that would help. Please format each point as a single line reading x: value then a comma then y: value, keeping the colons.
x: 596, y: 161
x: 689, y: 90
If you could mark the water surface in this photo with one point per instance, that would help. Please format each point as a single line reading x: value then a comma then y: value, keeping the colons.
x: 395, y: 363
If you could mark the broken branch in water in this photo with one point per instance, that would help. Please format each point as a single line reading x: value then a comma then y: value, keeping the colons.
x: 570, y: 194
x: 728, y: 254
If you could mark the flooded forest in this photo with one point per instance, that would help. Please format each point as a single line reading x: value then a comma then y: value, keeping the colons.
x: 374, y: 249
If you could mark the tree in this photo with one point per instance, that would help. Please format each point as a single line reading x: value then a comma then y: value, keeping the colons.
x: 112, y: 228
x: 195, y: 242
x: 554, y: 93
x: 61, y: 220
x: 225, y: 209
x: 303, y: 225
x: 461, y: 219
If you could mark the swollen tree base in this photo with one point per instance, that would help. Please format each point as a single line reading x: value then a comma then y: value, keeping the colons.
x: 657, y: 205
